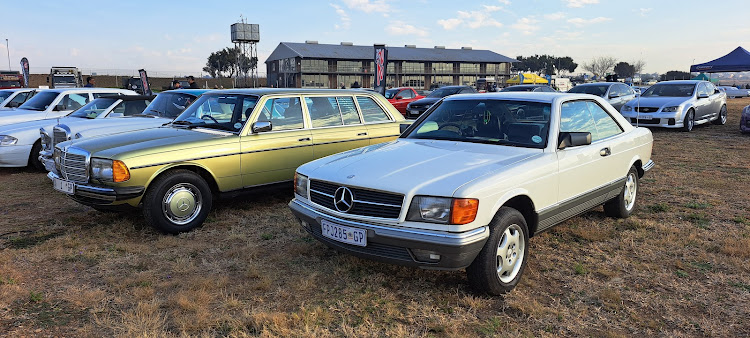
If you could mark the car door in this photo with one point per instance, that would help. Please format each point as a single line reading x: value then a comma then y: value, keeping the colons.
x: 702, y: 105
x: 273, y: 155
x: 336, y: 124
x: 588, y: 171
x: 380, y: 125
x: 407, y: 95
x: 715, y: 98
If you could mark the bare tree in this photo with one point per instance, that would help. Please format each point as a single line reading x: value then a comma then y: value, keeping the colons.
x: 638, y: 66
x: 600, y: 66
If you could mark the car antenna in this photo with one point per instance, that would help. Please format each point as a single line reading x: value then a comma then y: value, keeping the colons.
x: 638, y: 110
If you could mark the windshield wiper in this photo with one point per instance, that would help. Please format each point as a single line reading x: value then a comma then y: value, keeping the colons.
x: 143, y: 115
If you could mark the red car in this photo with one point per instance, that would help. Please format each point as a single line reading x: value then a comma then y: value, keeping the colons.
x: 401, y: 97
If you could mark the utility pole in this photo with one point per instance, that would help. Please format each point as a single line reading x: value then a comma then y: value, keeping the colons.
x: 7, y: 49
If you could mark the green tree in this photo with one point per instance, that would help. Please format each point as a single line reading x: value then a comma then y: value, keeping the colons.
x: 228, y: 62
x: 675, y: 75
x: 624, y: 70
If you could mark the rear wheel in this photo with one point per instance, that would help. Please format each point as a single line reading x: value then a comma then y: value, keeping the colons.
x: 722, y: 118
x: 499, y: 266
x: 34, y: 156
x: 178, y: 201
x: 689, y: 122
x: 624, y: 204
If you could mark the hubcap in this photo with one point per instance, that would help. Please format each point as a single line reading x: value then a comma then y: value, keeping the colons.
x: 723, y: 115
x: 629, y: 192
x: 182, y: 203
x: 510, y: 252
x: 690, y: 121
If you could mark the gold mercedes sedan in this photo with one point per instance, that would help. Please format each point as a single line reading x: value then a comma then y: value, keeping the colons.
x: 224, y: 142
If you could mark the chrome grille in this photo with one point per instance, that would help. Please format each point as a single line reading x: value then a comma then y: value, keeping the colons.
x: 74, y: 165
x: 646, y: 109
x: 59, y: 135
x: 366, y: 202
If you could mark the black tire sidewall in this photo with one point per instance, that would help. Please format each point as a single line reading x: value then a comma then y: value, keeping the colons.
x: 482, y: 272
x: 34, y: 156
x: 689, y: 116
x: 152, y: 211
x: 616, y: 206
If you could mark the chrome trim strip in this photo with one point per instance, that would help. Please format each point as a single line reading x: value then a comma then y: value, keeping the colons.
x: 540, y: 211
x: 649, y: 165
x: 462, y: 235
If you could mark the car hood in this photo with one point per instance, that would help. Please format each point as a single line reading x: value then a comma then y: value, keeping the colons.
x: 146, y: 141
x: 21, y: 127
x: 424, y: 167
x: 20, y: 115
x: 426, y: 101
x: 661, y: 101
x: 128, y: 123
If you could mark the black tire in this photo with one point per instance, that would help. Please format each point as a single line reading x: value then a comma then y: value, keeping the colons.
x: 722, y: 118
x: 483, y: 272
x: 34, y: 162
x: 624, y: 204
x: 171, y: 192
x: 689, y: 122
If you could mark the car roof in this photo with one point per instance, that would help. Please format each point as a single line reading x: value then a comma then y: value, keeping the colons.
x: 461, y: 86
x: 680, y: 82
x: 548, y: 97
x: 598, y: 84
x: 86, y: 90
x: 18, y: 89
x: 128, y: 97
x: 273, y: 91
x: 196, y: 92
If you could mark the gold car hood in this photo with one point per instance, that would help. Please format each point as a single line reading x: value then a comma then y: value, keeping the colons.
x: 149, y: 141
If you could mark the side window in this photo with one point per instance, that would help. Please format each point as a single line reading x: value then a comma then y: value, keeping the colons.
x: 407, y: 94
x: 18, y: 99
x: 702, y: 89
x: 324, y: 111
x: 627, y: 90
x: 371, y: 111
x: 614, y: 91
x: 466, y: 91
x: 284, y: 113
x: 606, y: 126
x: 575, y: 117
x: 348, y: 110
x: 130, y: 108
x: 98, y: 95
x: 73, y: 101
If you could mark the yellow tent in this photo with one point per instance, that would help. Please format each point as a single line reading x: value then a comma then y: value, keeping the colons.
x: 528, y: 78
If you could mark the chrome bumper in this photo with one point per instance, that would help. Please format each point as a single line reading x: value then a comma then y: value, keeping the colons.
x: 89, y: 194
x: 648, y: 166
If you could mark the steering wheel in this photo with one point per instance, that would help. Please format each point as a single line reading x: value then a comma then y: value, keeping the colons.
x: 210, y: 117
x: 451, y: 127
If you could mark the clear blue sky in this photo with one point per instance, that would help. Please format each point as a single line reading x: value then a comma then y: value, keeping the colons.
x: 178, y: 36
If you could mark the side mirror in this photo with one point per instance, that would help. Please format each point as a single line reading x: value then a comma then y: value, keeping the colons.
x: 399, y: 97
x: 613, y: 95
x: 402, y: 127
x: 261, y: 126
x: 573, y: 139
x: 59, y: 107
x: 702, y: 95
x: 13, y: 104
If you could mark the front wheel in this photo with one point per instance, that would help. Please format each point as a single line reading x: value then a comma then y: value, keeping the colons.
x: 722, y: 118
x: 624, y: 204
x: 34, y: 157
x: 499, y: 266
x: 178, y: 201
x: 689, y: 122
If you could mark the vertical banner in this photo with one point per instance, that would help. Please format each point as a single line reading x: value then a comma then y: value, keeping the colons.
x: 25, y: 72
x: 520, y: 78
x: 381, y: 65
x: 144, y: 82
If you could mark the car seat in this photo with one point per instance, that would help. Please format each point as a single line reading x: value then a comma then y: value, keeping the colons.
x: 488, y: 126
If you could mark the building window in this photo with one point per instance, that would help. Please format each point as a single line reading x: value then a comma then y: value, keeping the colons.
x: 467, y: 80
x: 469, y: 68
x: 348, y: 81
x: 350, y: 66
x: 442, y: 80
x: 314, y: 81
x: 412, y: 67
x: 497, y: 68
x: 442, y: 68
x: 414, y: 81
x: 310, y: 66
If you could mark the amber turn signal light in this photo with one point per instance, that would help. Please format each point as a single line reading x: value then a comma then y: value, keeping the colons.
x: 464, y: 210
x: 120, y: 172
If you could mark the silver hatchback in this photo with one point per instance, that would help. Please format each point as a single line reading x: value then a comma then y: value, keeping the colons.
x: 617, y: 94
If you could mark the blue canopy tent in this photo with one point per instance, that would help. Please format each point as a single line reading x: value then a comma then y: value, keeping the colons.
x: 737, y: 60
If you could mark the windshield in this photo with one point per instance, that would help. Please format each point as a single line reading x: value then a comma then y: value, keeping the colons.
x: 506, y: 122
x: 390, y: 93
x: 40, y: 101
x: 671, y: 90
x: 593, y: 90
x: 169, y: 104
x: 93, y: 109
x: 219, y: 111
x: 4, y: 94
x: 64, y: 79
x: 443, y: 92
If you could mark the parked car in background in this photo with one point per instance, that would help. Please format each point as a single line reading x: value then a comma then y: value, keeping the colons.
x: 529, y: 88
x: 471, y: 182
x: 12, y: 98
x: 733, y: 92
x: 416, y: 108
x: 21, y: 142
x: 617, y: 94
x: 745, y: 120
x: 161, y: 110
x: 678, y: 104
x: 52, y: 103
x: 401, y: 97
x: 224, y: 142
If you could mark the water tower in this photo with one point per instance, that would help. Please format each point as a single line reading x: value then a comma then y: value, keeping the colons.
x: 245, y: 36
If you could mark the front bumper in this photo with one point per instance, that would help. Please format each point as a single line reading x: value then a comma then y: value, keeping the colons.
x: 45, y: 157
x: 91, y: 194
x: 395, y: 245
x: 15, y: 155
x: 414, y: 113
x: 659, y: 119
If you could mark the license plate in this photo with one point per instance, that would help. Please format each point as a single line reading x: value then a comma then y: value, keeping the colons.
x: 344, y: 234
x: 61, y: 185
x: 645, y: 116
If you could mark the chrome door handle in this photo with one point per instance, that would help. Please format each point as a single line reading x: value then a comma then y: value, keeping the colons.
x: 605, y: 152
x: 362, y: 134
x: 304, y: 139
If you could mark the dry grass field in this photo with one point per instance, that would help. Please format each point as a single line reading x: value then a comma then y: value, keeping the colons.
x: 678, y: 267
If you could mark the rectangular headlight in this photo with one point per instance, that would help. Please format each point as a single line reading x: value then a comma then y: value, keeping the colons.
x: 300, y: 184
x: 443, y: 210
x: 101, y: 169
x: 57, y: 153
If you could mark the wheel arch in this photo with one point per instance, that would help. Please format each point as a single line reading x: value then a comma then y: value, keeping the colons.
x: 199, y: 170
x: 525, y: 205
